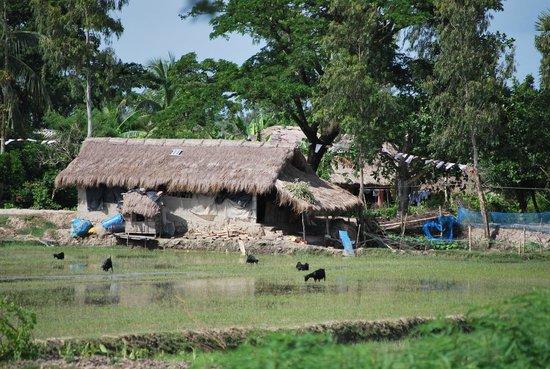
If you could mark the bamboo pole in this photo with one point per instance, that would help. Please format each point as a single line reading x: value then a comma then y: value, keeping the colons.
x: 469, y: 238
x: 304, y: 227
x: 523, y: 241
x: 358, y: 234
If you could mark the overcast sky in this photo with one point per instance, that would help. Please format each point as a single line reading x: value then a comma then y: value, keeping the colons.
x: 153, y: 29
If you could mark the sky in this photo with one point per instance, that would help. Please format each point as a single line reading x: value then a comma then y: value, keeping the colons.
x: 152, y: 28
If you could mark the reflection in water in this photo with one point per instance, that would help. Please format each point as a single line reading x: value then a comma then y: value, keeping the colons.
x: 77, y: 267
x: 127, y: 293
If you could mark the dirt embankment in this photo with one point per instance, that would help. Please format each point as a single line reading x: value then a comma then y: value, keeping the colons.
x: 95, y: 362
x: 147, y: 345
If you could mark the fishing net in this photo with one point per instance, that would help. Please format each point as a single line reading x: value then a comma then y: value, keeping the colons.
x: 537, y: 222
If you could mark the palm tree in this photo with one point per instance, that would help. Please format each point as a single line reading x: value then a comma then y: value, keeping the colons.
x: 158, y: 73
x: 542, y: 42
x: 16, y: 77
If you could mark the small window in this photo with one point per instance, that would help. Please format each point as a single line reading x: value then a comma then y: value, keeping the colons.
x: 176, y: 152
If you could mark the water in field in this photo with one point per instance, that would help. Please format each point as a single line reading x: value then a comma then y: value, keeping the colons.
x: 159, y: 291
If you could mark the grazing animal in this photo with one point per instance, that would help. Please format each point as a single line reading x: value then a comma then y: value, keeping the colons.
x: 107, y: 264
x: 59, y: 256
x: 316, y: 275
x: 301, y: 266
x: 251, y: 259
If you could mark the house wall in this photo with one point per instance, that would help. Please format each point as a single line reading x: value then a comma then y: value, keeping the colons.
x: 201, y: 211
x: 196, y: 212
x: 93, y: 216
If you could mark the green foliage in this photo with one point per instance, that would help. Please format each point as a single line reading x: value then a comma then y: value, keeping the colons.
x: 36, y: 226
x: 467, y: 87
x: 512, y: 335
x: 300, y: 190
x: 201, y: 106
x: 16, y: 325
x: 518, y: 155
x: 27, y: 178
x: 542, y: 42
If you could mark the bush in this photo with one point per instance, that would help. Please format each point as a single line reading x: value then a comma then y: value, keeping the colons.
x: 16, y: 325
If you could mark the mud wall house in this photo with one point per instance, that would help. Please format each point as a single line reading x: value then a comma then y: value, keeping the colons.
x: 205, y: 183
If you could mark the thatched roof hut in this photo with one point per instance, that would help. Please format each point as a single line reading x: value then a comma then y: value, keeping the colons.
x: 203, y: 167
x: 137, y: 203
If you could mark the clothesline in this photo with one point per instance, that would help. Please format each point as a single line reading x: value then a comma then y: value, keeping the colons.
x: 43, y: 142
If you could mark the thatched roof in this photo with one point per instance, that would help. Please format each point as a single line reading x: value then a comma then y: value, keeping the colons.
x: 137, y: 203
x: 343, y: 174
x: 290, y: 135
x: 203, y: 166
x: 327, y: 197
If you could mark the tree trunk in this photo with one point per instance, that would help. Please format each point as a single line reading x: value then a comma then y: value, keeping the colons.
x: 479, y: 189
x: 403, y: 190
x: 522, y: 200
x: 89, y: 104
x: 88, y: 92
x: 534, y: 199
x: 4, y: 89
x: 362, y: 184
x: 313, y: 157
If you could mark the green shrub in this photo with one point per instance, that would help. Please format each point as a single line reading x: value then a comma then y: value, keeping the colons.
x: 16, y: 325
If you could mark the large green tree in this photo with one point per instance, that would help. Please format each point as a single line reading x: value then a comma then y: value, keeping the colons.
x: 203, y: 104
x: 284, y: 73
x: 21, y: 88
x: 518, y: 156
x: 75, y: 30
x: 542, y: 42
x: 371, y: 87
x: 468, y: 80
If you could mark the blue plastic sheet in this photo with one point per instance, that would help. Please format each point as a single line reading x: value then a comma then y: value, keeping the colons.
x: 347, y: 243
x: 444, y: 224
x: 80, y: 227
x: 113, y: 223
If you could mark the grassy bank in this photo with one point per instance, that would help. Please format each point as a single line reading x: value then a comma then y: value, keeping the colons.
x: 169, y: 291
x: 515, y: 334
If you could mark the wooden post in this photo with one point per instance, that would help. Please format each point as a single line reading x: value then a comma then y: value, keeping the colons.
x: 327, y: 226
x: 358, y: 234
x: 523, y: 241
x: 304, y: 227
x: 380, y: 198
x: 469, y: 238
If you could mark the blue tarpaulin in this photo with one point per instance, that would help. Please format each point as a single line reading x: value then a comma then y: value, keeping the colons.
x: 444, y: 224
x: 79, y: 227
x: 113, y: 223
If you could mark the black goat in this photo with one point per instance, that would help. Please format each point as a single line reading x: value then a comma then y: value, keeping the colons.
x: 59, y: 256
x: 107, y: 264
x: 301, y: 266
x: 316, y: 275
x: 251, y: 259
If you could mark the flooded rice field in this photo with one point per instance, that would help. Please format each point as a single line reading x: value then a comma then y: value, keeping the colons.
x: 159, y: 291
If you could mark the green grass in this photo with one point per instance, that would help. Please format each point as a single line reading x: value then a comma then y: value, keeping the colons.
x: 36, y: 226
x: 515, y: 334
x: 4, y: 220
x: 163, y: 291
